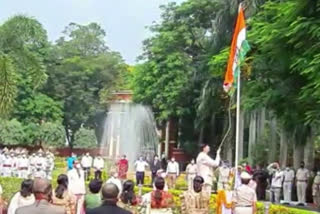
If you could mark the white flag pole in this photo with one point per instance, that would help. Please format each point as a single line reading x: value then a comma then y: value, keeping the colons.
x: 237, y: 125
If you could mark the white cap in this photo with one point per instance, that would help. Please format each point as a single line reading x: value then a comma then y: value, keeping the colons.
x: 245, y: 175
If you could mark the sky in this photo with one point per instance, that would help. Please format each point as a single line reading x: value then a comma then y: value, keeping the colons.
x: 124, y: 21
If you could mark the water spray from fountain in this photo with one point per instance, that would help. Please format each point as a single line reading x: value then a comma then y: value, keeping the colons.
x: 130, y: 130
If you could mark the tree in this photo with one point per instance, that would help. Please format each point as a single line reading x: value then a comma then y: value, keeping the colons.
x: 83, y: 71
x: 22, y: 45
x: 85, y: 138
x: 12, y: 132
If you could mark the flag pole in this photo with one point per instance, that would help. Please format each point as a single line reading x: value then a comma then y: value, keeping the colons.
x: 237, y: 125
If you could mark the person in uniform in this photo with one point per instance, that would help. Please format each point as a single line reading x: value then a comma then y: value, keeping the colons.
x: 123, y: 166
x: 23, y: 166
x: 98, y: 165
x: 224, y: 176
x: 49, y: 165
x: 7, y: 164
x: 32, y: 164
x: 288, y: 178
x: 86, y: 163
x: 195, y: 200
x: 302, y: 177
x: 276, y: 182
x: 244, y: 197
x: 191, y: 172
x: 316, y: 190
x: 15, y: 156
x: 205, y: 166
x: 40, y: 163
x: 172, y: 173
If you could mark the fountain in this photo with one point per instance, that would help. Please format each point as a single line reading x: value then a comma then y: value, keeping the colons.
x: 129, y: 129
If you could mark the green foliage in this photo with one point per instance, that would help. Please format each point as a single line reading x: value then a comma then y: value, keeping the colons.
x: 51, y: 134
x: 12, y: 132
x: 84, y: 74
x: 22, y: 44
x: 85, y: 138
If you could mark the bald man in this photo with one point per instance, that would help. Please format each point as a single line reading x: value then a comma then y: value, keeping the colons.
x: 42, y: 190
x: 110, y: 194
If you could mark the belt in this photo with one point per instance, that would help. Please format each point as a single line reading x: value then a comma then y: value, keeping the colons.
x: 302, y: 180
x: 39, y: 164
x: 172, y: 173
x: 245, y: 206
x: 23, y: 168
x: 6, y: 165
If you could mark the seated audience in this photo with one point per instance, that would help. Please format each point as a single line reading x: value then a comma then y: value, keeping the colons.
x: 62, y: 197
x: 93, y: 199
x: 42, y: 191
x: 22, y: 198
x: 110, y: 194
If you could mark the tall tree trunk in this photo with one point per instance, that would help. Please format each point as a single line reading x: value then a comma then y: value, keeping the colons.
x: 297, y: 154
x: 167, y: 138
x: 272, y: 157
x: 252, y: 135
x: 283, y: 148
x: 241, y: 134
x: 200, y: 140
x: 309, y: 151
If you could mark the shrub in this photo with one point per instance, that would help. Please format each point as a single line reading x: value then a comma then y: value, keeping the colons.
x: 11, y: 132
x: 85, y: 138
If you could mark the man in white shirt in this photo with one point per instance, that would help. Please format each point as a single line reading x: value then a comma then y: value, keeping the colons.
x: 205, y: 166
x: 23, y: 166
x: 302, y: 183
x: 7, y: 165
x: 191, y: 172
x: 172, y: 172
x: 77, y: 185
x: 115, y: 180
x: 276, y: 182
x: 98, y: 165
x: 140, y: 166
x: 288, y: 175
x: 86, y: 163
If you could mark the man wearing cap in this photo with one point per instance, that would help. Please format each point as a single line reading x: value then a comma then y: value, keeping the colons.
x: 32, y: 162
x: 288, y: 175
x: 316, y: 190
x: 205, y: 166
x: 23, y: 166
x: 276, y: 182
x: 7, y: 164
x: 191, y: 172
x: 224, y: 176
x: 302, y: 183
x: 244, y: 197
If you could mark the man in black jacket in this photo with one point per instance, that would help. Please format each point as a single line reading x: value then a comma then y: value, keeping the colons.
x: 109, y: 205
x: 155, y: 166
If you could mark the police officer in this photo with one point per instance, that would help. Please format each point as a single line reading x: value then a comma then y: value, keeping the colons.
x: 244, y: 197
x: 224, y: 176
x: 288, y: 178
x: 302, y: 182
x: 316, y: 190
x: 191, y: 173
x: 23, y: 166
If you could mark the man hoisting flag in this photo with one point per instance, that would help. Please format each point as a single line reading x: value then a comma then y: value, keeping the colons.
x: 238, y: 50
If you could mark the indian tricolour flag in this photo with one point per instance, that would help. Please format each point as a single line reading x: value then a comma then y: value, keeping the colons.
x: 239, y: 48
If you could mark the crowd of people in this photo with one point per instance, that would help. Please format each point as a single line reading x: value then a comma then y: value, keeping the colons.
x: 19, y: 163
x: 117, y: 194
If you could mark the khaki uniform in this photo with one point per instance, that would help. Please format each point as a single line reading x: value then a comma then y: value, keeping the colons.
x: 205, y: 166
x: 316, y: 191
x: 302, y: 183
x: 288, y: 177
x: 195, y: 203
x: 223, y: 179
x: 191, y: 174
x: 243, y: 199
